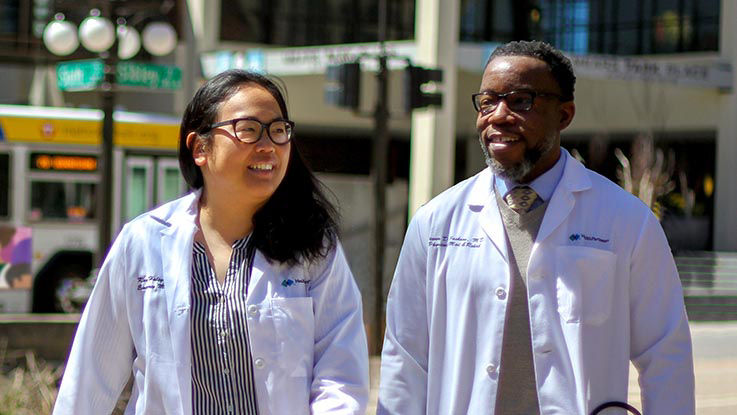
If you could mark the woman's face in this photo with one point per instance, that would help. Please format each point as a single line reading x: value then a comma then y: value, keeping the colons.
x: 240, y: 170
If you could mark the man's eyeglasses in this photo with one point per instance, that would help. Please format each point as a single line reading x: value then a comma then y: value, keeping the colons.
x: 249, y: 130
x: 522, y: 100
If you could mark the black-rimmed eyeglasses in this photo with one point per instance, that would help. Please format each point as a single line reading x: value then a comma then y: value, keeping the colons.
x: 521, y: 100
x: 249, y: 130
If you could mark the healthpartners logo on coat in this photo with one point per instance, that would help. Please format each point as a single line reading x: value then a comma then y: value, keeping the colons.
x: 288, y: 282
x: 579, y: 236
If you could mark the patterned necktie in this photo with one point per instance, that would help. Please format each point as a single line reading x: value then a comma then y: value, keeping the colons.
x: 520, y: 198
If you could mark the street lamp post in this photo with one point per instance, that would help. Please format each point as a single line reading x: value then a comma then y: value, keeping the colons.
x: 105, y: 195
x: 98, y: 34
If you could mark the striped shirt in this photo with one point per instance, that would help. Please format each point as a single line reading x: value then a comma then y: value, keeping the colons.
x: 222, y: 367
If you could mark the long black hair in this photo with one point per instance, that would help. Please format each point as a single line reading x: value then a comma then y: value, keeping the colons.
x: 298, y: 222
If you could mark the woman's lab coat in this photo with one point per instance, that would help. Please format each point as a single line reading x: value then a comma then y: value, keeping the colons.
x: 602, y: 289
x: 304, y: 323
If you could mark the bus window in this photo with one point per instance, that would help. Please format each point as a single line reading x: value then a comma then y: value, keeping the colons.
x: 4, y: 185
x: 72, y: 201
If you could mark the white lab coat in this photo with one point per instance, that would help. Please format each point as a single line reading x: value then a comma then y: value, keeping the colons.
x: 307, y: 339
x: 603, y: 289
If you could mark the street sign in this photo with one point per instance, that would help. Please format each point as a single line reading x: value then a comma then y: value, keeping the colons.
x: 82, y: 75
x: 148, y: 75
x: 86, y: 75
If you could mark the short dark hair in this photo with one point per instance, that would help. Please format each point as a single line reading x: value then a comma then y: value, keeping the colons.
x: 298, y: 222
x: 560, y: 66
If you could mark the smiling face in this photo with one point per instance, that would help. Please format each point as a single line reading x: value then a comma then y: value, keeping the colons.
x: 236, y: 169
x: 521, y: 145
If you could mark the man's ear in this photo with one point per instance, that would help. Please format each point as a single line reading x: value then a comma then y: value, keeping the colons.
x: 567, y: 111
x: 197, y: 148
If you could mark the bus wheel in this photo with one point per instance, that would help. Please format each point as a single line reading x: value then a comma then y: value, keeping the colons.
x: 69, y: 266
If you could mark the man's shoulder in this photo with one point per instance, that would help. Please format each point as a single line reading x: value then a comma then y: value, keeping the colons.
x: 605, y: 188
x: 461, y: 193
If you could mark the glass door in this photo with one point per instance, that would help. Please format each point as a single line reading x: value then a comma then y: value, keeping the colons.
x: 139, y: 186
x: 170, y: 183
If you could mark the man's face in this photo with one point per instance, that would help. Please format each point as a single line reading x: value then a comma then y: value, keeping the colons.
x: 519, y: 144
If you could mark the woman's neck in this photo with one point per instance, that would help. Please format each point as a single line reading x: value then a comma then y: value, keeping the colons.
x: 228, y: 217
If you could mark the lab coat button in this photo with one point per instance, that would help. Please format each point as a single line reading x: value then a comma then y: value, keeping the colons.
x: 501, y: 293
x: 491, y: 368
x: 252, y: 310
x: 259, y: 363
x: 226, y: 371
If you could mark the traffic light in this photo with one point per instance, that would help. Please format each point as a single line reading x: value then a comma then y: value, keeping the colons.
x: 414, y: 78
x: 343, y: 88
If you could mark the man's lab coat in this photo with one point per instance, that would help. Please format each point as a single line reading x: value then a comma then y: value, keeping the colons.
x: 603, y: 289
x: 305, y: 328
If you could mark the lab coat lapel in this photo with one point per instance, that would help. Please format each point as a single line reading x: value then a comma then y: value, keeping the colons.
x: 575, y: 179
x: 255, y: 289
x: 482, y: 203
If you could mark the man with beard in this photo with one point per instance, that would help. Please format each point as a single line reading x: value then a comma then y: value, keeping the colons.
x: 529, y: 288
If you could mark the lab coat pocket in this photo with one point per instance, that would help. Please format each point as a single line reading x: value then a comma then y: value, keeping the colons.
x: 294, y: 323
x: 584, y: 283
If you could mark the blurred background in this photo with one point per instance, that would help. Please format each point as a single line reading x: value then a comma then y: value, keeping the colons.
x: 380, y: 93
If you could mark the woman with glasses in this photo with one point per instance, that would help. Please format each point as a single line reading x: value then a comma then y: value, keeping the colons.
x: 235, y: 298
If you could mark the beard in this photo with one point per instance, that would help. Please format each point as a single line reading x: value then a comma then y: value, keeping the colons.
x: 519, y: 170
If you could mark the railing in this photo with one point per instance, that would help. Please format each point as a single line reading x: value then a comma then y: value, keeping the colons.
x: 709, y: 282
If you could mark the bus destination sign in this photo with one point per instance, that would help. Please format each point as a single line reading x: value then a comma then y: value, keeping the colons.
x: 63, y: 162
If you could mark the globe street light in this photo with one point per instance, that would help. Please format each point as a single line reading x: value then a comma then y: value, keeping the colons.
x: 98, y: 34
x: 60, y: 36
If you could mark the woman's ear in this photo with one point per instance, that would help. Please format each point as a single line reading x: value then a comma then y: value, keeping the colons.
x: 197, y: 146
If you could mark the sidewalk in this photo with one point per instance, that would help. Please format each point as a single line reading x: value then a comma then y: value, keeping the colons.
x: 715, y: 366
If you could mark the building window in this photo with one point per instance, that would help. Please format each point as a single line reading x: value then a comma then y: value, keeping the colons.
x: 497, y: 20
x: 313, y: 22
x: 618, y: 27
x: 566, y: 24
x: 628, y: 27
x: 8, y: 17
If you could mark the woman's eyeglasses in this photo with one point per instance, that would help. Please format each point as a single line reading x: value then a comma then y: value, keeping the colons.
x: 249, y: 130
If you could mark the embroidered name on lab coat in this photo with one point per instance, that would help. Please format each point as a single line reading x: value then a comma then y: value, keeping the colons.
x: 455, y: 241
x: 150, y: 282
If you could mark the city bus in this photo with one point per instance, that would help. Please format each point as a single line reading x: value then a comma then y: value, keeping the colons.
x: 49, y: 175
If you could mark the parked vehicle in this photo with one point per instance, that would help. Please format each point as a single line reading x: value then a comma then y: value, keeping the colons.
x: 49, y: 175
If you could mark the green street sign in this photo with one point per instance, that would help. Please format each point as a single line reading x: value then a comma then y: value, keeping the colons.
x: 86, y: 75
x: 83, y: 75
x: 148, y: 75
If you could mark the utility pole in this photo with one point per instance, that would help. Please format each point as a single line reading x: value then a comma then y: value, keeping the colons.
x: 379, y: 176
x: 343, y: 90
x: 105, y: 186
